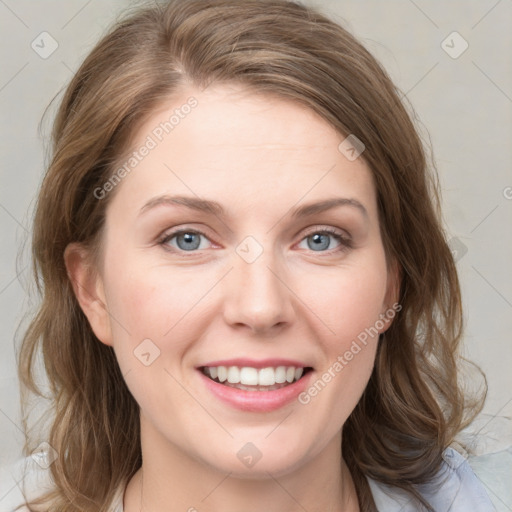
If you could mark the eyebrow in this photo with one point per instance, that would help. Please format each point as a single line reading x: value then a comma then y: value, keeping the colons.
x: 204, y: 205
x: 322, y: 206
x: 194, y: 203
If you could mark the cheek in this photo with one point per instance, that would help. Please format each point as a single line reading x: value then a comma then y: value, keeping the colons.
x: 148, y: 336
x: 143, y: 300
x: 348, y: 301
x: 135, y: 305
x: 153, y: 303
x: 350, y: 306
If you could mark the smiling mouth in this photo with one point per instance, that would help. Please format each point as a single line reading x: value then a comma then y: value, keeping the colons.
x: 254, y: 379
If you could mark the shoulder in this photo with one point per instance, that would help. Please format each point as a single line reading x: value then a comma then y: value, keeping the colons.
x: 456, y: 488
x: 117, y: 502
x: 27, y: 478
x: 30, y: 478
x: 462, y: 484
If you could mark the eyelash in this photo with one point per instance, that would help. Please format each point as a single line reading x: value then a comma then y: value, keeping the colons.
x: 345, y: 242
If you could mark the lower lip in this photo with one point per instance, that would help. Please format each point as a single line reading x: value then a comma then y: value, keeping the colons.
x: 257, y: 401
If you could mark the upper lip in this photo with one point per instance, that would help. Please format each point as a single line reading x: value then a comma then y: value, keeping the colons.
x: 253, y: 363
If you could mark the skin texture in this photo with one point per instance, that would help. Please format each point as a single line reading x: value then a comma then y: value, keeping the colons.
x: 260, y: 158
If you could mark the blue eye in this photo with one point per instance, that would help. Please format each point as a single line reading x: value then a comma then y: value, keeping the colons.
x: 186, y: 240
x: 324, y: 240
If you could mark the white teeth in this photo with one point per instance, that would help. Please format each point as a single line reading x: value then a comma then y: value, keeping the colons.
x: 280, y: 374
x: 222, y: 373
x: 248, y: 376
x: 233, y: 375
x: 266, y: 377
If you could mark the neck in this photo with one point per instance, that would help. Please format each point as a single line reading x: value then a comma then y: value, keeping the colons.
x: 170, y: 479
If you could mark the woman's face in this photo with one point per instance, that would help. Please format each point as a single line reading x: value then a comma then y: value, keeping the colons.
x: 243, y: 237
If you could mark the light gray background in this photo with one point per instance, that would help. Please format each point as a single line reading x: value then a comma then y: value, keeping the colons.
x: 465, y: 103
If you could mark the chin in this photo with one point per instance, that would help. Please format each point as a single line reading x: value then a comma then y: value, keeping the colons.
x: 252, y: 462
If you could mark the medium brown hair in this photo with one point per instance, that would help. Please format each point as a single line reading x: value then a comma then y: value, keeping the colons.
x: 412, y: 407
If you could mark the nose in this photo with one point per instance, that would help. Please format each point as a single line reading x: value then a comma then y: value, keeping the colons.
x: 257, y: 297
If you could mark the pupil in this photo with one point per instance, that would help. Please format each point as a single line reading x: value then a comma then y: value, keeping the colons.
x: 188, y: 241
x: 318, y: 242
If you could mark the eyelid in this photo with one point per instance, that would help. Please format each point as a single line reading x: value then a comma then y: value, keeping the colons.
x: 164, y: 238
x: 327, y: 229
x: 343, y: 237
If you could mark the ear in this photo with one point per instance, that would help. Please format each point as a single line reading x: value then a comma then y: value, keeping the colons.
x: 391, y: 304
x: 89, y: 290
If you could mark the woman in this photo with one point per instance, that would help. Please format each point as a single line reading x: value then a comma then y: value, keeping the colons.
x: 248, y: 299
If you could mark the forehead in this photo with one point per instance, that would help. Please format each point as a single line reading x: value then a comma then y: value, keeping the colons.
x: 240, y: 147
